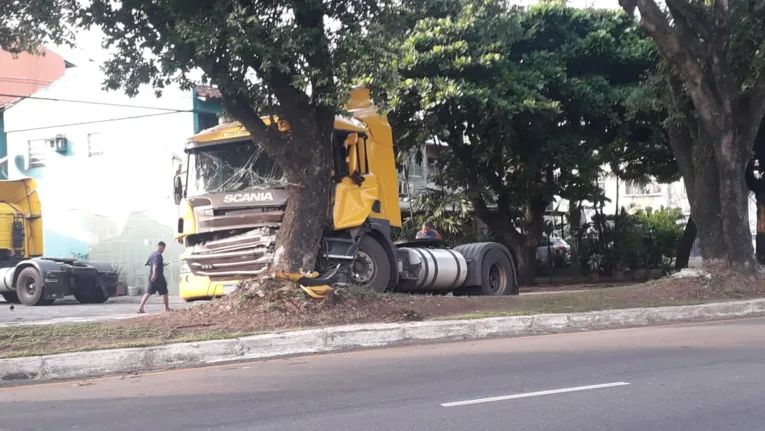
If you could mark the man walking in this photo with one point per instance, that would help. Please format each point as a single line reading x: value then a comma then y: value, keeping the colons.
x: 157, y: 281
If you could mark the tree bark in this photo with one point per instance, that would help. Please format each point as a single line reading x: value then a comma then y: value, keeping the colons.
x: 722, y: 119
x: 527, y: 265
x: 731, y: 157
x: 706, y: 204
x: 304, y: 152
x: 685, y: 246
x: 533, y: 228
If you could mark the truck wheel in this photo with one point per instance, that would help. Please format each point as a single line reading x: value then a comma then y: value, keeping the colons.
x: 371, y: 267
x: 10, y: 297
x: 496, y: 274
x: 29, y: 288
x: 93, y: 295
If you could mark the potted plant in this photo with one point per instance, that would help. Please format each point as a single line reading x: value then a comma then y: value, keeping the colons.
x: 639, y: 271
x: 594, y: 263
x: 618, y: 270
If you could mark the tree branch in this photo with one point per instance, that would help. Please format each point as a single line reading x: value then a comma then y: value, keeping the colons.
x: 239, y: 106
x: 752, y: 110
x: 689, y: 22
x: 673, y: 44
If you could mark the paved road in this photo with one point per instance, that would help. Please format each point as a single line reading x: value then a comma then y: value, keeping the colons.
x: 69, y: 310
x: 682, y: 378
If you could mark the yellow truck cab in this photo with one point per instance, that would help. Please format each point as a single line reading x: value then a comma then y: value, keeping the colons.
x: 28, y: 277
x: 231, y: 201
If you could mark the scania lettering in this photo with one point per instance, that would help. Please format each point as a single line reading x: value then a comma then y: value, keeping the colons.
x: 248, y: 197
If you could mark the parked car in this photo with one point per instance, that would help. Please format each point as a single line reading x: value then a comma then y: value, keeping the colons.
x: 560, y: 248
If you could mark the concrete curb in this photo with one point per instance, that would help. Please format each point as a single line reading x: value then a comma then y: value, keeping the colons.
x: 119, y: 361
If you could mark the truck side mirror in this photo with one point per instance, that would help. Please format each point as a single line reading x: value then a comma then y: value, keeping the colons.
x: 177, y: 189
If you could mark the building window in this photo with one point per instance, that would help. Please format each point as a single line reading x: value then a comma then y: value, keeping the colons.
x: 206, y: 120
x: 37, y: 152
x: 415, y: 169
x: 402, y: 188
x: 432, y: 167
x: 632, y: 189
x: 96, y: 144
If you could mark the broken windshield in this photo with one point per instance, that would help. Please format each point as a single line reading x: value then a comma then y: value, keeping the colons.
x: 232, y: 167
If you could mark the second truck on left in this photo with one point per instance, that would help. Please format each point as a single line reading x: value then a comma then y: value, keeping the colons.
x: 26, y: 276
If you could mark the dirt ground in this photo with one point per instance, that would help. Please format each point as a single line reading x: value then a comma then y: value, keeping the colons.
x: 273, y: 306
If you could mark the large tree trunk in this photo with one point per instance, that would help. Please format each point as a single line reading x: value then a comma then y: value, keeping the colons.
x: 527, y: 265
x: 305, y: 154
x: 307, y: 212
x: 720, y: 116
x: 704, y: 196
x: 300, y: 232
x: 533, y: 226
x: 685, y: 246
x: 731, y: 157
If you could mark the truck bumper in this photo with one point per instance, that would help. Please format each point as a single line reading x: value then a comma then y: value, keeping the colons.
x: 192, y: 287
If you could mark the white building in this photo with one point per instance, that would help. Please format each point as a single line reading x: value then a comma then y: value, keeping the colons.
x: 628, y: 195
x: 104, y: 164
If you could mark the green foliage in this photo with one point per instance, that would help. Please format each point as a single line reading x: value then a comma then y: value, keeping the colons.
x: 25, y: 25
x: 595, y: 262
x: 260, y: 49
x: 450, y: 213
x: 80, y: 256
x: 648, y: 237
x: 527, y: 100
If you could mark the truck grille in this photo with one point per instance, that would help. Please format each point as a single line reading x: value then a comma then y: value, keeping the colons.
x: 248, y: 254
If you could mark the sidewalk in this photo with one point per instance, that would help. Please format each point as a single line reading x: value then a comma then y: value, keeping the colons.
x: 70, y: 311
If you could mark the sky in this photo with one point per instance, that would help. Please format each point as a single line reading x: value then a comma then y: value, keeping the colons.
x: 88, y: 47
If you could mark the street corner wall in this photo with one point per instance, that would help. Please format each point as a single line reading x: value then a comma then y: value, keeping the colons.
x: 112, y: 207
x: 109, y: 194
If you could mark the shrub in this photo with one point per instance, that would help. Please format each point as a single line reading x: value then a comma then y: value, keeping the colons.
x: 648, y: 238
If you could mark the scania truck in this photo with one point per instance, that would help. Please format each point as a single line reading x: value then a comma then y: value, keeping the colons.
x: 232, y: 197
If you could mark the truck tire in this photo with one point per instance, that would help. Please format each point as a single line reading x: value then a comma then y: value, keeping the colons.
x: 29, y: 288
x: 371, y: 267
x: 91, y: 295
x: 10, y: 297
x: 496, y: 274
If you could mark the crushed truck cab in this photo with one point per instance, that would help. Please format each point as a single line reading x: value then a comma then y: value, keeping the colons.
x: 25, y: 275
x: 232, y: 198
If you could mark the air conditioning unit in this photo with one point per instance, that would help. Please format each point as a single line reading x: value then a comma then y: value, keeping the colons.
x: 60, y: 144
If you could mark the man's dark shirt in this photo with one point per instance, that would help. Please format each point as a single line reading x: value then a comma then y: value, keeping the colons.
x: 156, y: 259
x: 430, y: 234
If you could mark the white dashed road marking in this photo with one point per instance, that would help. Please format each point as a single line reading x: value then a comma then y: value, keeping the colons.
x: 534, y: 394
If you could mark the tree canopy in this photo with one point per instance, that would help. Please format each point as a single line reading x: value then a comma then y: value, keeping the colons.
x: 291, y: 60
x: 26, y: 25
x: 528, y: 103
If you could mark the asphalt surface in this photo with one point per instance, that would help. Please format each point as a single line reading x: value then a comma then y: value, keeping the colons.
x: 681, y: 378
x: 69, y: 310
